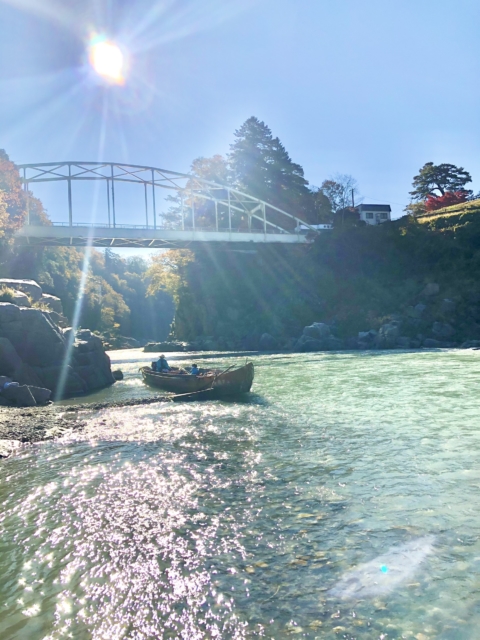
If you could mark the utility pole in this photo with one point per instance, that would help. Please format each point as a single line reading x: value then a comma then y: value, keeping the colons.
x: 353, y: 198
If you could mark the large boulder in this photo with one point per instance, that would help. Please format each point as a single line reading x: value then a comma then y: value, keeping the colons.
x: 442, y: 330
x: 19, y: 395
x: 448, y: 306
x: 42, y: 343
x: 417, y: 311
x: 470, y: 344
x: 310, y: 345
x: 317, y: 330
x: 42, y: 396
x: 25, y: 374
x: 52, y: 302
x: 388, y: 335
x: 333, y: 344
x: 268, y: 343
x: 9, y: 313
x: 431, y: 289
x: 431, y: 343
x: 52, y: 376
x: 9, y: 358
x: 30, y: 287
x: 21, y: 299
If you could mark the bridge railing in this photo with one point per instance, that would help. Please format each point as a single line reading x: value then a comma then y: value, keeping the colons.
x: 193, y: 201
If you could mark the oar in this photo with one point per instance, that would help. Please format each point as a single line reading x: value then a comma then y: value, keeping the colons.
x: 223, y: 372
x: 178, y: 396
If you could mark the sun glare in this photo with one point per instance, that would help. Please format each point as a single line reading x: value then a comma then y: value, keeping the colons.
x: 107, y: 60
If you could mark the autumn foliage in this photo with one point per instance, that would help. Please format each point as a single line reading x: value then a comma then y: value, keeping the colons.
x: 449, y: 198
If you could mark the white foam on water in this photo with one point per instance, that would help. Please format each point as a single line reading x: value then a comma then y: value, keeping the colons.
x: 385, y: 572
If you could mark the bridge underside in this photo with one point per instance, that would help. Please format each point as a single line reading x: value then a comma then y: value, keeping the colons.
x: 82, y: 236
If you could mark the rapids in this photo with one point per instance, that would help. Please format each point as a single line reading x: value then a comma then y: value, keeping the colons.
x: 252, y: 519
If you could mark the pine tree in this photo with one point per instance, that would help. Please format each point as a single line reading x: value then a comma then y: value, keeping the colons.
x: 260, y: 166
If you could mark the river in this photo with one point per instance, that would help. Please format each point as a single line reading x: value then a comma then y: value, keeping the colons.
x: 241, y: 520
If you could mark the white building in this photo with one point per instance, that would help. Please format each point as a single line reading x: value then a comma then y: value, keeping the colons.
x: 374, y: 213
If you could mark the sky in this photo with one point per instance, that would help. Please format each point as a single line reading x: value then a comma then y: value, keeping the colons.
x: 369, y: 88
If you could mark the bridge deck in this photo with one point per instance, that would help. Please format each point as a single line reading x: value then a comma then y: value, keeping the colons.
x: 147, y: 237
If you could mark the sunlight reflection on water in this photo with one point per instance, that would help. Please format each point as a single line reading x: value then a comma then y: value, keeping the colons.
x: 236, y: 520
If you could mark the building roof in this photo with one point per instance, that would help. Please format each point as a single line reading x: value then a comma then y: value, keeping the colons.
x: 374, y: 207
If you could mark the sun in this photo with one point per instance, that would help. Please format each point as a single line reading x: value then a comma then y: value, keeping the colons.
x: 107, y: 60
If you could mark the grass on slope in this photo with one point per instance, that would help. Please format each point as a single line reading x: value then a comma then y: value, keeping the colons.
x: 455, y: 210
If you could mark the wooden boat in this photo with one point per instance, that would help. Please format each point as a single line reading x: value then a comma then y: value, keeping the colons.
x: 175, y: 381
x: 214, y: 383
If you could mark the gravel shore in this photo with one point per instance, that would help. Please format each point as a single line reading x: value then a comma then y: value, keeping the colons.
x: 35, y: 424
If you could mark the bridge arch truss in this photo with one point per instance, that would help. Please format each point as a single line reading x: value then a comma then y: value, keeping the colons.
x: 262, y: 222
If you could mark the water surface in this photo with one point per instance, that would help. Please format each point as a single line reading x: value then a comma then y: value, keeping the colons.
x: 240, y: 520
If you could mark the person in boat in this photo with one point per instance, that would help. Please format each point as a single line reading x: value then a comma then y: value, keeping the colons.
x: 162, y: 364
x: 194, y: 371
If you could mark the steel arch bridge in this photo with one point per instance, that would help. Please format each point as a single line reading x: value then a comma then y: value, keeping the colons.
x: 203, y: 211
x: 200, y: 210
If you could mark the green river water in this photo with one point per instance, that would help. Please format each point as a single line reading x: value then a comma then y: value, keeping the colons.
x: 237, y: 520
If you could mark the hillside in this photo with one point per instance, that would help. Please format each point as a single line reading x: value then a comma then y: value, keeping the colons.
x: 422, y: 274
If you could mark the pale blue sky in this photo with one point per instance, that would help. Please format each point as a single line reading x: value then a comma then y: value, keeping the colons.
x: 372, y: 88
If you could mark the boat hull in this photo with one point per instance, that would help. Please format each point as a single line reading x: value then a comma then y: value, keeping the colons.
x: 212, y: 385
x: 176, y: 383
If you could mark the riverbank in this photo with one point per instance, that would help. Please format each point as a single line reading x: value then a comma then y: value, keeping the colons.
x: 29, y: 425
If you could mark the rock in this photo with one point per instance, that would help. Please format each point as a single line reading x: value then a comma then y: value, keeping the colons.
x: 289, y: 345
x: 127, y: 343
x: 431, y: 289
x: 310, y: 345
x: 268, y: 342
x: 388, y: 334
x: 7, y: 447
x: 447, y: 306
x: 117, y: 374
x: 41, y: 342
x: 367, y: 336
x: 470, y: 344
x: 442, y: 330
x: 352, y: 344
x: 416, y: 312
x: 404, y: 342
x: 21, y: 299
x: 19, y: 395
x: 30, y: 287
x: 166, y: 347
x: 52, y: 302
x: 9, y: 313
x: 251, y: 342
x: 25, y: 374
x: 333, y: 344
x: 50, y: 377
x: 42, y: 396
x: 9, y: 358
x: 58, y: 319
x: 430, y: 343
x: 317, y: 330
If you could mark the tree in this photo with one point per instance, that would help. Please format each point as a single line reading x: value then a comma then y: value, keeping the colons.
x: 260, y: 165
x: 449, y: 198
x: 321, y: 207
x: 434, y: 180
x: 212, y: 169
x: 339, y: 191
